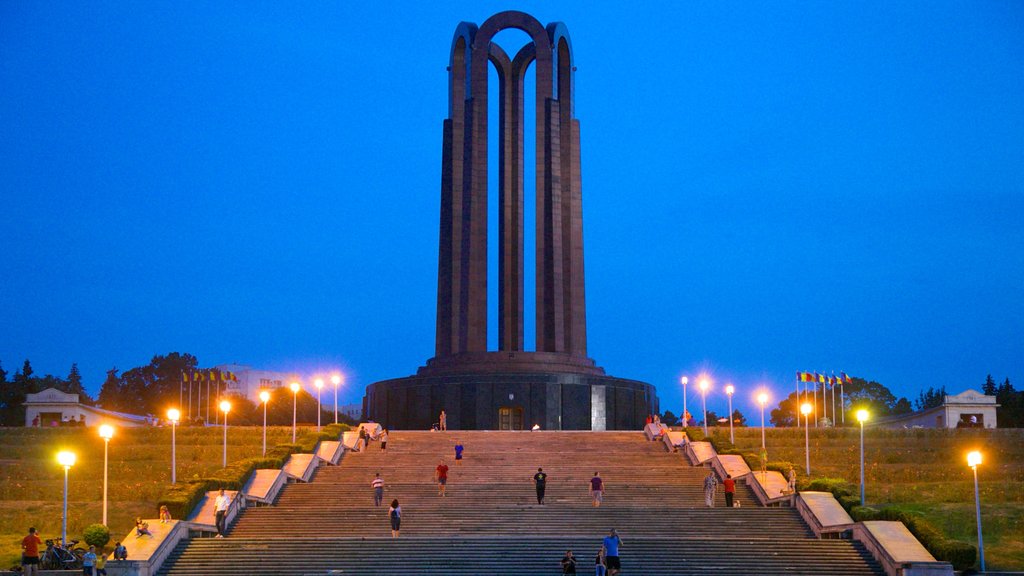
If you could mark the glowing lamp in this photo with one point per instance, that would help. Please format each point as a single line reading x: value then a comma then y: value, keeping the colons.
x: 684, y: 380
x: 704, y: 384
x: 762, y: 399
x: 106, y: 431
x: 319, y: 383
x: 805, y: 409
x: 225, y: 406
x: 862, y: 416
x: 729, y: 389
x: 174, y: 415
x: 264, y: 396
x: 66, y: 459
x: 336, y: 379
x: 295, y: 387
x: 973, y: 458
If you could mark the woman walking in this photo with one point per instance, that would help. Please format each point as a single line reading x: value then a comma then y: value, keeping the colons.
x: 710, y: 487
x: 395, y: 513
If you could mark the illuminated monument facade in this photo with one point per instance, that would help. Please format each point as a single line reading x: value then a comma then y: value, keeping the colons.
x: 555, y: 386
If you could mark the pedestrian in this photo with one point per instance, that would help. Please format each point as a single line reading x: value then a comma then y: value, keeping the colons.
x: 361, y: 440
x: 568, y: 563
x: 763, y: 456
x: 710, y: 487
x: 378, y: 490
x: 441, y: 474
x: 101, y: 564
x: 730, y: 490
x: 384, y: 440
x: 611, y: 546
x: 458, y: 452
x: 597, y: 489
x: 220, y: 506
x: 540, y: 480
x: 395, y: 514
x: 791, y: 475
x: 89, y: 562
x: 165, y: 514
x: 120, y: 552
x: 142, y: 528
x: 443, y: 421
x: 601, y: 562
x: 30, y: 552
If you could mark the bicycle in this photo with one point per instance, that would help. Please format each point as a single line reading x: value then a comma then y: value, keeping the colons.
x: 58, y: 557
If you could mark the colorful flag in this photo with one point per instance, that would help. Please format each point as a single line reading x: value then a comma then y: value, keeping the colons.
x: 846, y: 378
x: 184, y: 376
x: 806, y: 377
x: 200, y: 376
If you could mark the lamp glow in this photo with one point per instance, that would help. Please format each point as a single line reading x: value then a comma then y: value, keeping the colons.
x: 862, y: 416
x: 264, y: 396
x: 295, y: 387
x: 66, y: 459
x: 762, y: 399
x: 225, y: 406
x: 174, y: 415
x: 973, y: 458
x: 319, y: 383
x: 729, y: 389
x: 685, y: 381
x: 805, y: 409
x: 106, y: 431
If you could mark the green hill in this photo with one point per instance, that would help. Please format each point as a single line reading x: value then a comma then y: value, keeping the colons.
x: 922, y: 470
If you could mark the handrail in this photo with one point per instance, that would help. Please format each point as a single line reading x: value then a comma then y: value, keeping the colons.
x: 894, y: 567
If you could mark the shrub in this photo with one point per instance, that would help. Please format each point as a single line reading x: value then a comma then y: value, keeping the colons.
x: 961, y: 555
x: 863, y: 513
x: 849, y: 502
x: 96, y: 535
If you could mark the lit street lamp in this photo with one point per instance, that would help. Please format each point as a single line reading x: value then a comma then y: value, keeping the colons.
x: 225, y: 407
x: 806, y: 410
x: 762, y: 399
x: 67, y: 460
x: 703, y: 402
x: 728, y: 392
x: 974, y: 460
x: 106, y: 432
x: 319, y: 386
x: 264, y: 397
x: 336, y: 380
x: 295, y: 403
x: 862, y: 417
x: 684, y: 380
x: 173, y: 415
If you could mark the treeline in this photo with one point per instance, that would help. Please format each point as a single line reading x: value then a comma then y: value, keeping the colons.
x: 1010, y: 413
x: 25, y: 382
x: 152, y: 389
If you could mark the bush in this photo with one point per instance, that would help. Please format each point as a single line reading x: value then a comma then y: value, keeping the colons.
x: 849, y: 502
x: 961, y: 555
x: 863, y: 513
x: 96, y: 535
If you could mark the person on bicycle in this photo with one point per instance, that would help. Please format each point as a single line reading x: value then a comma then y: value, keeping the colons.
x: 30, y: 552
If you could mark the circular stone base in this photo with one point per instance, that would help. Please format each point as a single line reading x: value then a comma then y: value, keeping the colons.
x: 511, y: 401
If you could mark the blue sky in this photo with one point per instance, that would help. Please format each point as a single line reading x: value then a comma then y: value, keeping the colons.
x: 766, y: 188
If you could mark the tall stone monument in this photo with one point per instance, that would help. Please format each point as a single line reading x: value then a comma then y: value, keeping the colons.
x: 555, y: 386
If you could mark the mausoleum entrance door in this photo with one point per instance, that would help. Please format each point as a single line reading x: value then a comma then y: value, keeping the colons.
x: 510, y: 418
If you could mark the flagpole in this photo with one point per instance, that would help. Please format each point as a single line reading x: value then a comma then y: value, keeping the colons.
x: 188, y: 413
x: 816, y: 400
x: 842, y: 401
x: 835, y: 421
x: 796, y: 400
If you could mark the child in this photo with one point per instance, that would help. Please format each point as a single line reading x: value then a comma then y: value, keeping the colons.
x: 101, y: 564
x: 142, y: 528
x: 120, y: 552
x: 165, y: 514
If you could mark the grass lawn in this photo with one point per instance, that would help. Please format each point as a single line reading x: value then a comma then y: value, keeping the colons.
x: 922, y: 470
x: 32, y: 483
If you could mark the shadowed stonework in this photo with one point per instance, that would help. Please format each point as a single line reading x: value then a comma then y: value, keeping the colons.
x: 557, y: 386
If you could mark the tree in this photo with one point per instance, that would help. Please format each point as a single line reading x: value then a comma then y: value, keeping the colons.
x: 73, y: 385
x: 989, y: 387
x: 3, y: 374
x: 110, y: 393
x: 738, y: 419
x: 1010, y: 413
x: 26, y: 371
x: 859, y: 393
x: 930, y: 398
x: 669, y: 419
x: 902, y: 407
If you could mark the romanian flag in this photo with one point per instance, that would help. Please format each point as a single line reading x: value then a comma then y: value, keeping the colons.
x: 234, y: 377
x: 184, y: 376
x: 831, y: 381
x: 806, y: 377
x: 846, y: 378
x: 214, y: 376
x: 200, y: 376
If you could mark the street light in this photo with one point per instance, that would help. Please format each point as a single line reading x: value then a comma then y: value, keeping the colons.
x: 295, y: 402
x: 762, y: 399
x: 974, y: 460
x: 862, y: 417
x: 728, y: 392
x: 264, y: 397
x: 173, y: 415
x: 225, y: 407
x: 806, y: 410
x: 106, y: 432
x: 336, y: 380
x: 703, y: 402
x: 319, y: 386
x: 67, y: 460
x: 684, y: 380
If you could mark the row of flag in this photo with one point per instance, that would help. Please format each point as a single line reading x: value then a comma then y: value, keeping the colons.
x: 208, y: 376
x: 823, y: 379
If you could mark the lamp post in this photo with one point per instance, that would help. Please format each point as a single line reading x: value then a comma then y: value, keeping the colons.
x: 728, y: 392
x: 974, y: 460
x: 762, y: 399
x: 862, y: 417
x: 684, y: 381
x: 806, y: 410
x: 225, y: 407
x: 295, y: 403
x: 106, y: 432
x: 703, y: 402
x: 336, y: 380
x: 67, y: 460
x: 173, y: 415
x: 319, y: 386
x: 264, y: 397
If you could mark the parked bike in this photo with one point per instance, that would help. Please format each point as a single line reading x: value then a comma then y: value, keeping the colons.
x: 60, y: 557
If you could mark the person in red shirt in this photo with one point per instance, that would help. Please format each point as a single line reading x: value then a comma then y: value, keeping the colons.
x: 442, y: 477
x: 30, y: 552
x: 730, y: 490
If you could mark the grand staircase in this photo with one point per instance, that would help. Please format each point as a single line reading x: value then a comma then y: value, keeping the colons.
x: 490, y: 522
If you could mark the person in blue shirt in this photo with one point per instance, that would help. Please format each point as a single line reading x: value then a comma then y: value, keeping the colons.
x: 458, y: 452
x: 611, y: 545
x: 88, y: 561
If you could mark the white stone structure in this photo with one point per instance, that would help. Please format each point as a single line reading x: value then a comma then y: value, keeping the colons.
x: 51, y: 407
x: 969, y: 409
